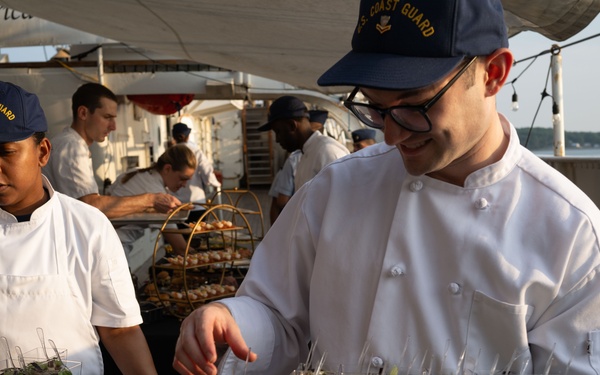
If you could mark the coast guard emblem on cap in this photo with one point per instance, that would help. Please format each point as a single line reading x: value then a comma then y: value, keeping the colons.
x: 21, y: 115
x: 7, y: 112
x: 383, y: 26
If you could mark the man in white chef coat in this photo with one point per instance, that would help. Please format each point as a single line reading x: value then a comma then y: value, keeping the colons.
x: 461, y: 251
x: 70, y: 169
x: 290, y: 121
x: 282, y: 187
x: 62, y: 267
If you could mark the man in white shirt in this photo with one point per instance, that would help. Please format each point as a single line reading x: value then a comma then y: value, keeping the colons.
x: 450, y: 248
x: 70, y: 166
x: 282, y: 187
x: 289, y: 120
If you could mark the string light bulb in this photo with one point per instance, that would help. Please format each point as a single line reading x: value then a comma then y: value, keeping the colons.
x: 515, y: 102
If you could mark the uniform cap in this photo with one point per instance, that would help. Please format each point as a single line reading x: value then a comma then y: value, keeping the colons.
x: 407, y: 45
x: 21, y: 114
x: 319, y: 116
x: 180, y: 128
x: 283, y: 108
x: 362, y: 134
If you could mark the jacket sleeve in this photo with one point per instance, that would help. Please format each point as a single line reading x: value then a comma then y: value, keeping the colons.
x: 274, y: 320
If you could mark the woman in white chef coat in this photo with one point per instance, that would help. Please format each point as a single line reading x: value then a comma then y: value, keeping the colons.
x: 62, y: 267
x: 202, y: 179
x: 172, y: 171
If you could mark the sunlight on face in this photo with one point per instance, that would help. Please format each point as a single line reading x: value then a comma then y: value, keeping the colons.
x: 20, y: 173
x: 175, y: 180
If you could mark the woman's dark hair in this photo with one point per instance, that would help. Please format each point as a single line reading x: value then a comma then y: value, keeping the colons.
x: 38, y: 137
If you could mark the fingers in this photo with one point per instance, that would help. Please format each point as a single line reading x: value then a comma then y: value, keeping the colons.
x: 238, y: 345
x: 165, y: 203
x: 187, y: 206
x: 174, y: 201
x: 195, y: 352
x: 189, y: 358
x: 184, y: 364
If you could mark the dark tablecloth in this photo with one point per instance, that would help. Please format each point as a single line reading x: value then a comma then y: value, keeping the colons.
x: 162, y: 337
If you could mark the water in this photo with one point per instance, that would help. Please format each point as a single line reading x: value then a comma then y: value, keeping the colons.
x: 588, y: 151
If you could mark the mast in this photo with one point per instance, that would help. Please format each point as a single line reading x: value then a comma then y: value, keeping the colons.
x: 558, y: 113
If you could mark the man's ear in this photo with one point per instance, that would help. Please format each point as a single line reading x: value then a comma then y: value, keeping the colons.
x: 82, y: 112
x: 293, y: 124
x: 497, y: 67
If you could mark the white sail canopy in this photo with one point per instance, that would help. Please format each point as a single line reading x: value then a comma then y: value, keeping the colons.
x: 288, y: 41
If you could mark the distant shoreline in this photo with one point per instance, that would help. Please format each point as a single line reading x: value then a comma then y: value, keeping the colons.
x: 569, y: 151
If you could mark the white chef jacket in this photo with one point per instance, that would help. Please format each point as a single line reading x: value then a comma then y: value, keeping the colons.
x: 508, y: 263
x: 283, y: 183
x: 318, y: 151
x: 202, y: 178
x: 142, y: 182
x: 69, y: 238
x: 70, y: 168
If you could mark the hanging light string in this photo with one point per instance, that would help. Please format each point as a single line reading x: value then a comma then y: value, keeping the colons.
x: 544, y: 94
x: 553, y: 50
x: 515, y: 100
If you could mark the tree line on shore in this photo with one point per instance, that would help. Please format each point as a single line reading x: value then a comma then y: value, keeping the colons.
x: 543, y: 138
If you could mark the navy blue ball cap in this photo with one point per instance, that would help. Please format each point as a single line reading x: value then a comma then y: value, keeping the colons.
x: 317, y: 115
x: 406, y: 45
x: 284, y: 107
x: 21, y: 114
x: 362, y: 134
x: 180, y: 128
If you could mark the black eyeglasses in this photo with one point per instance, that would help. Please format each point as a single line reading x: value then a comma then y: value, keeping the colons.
x: 410, y: 117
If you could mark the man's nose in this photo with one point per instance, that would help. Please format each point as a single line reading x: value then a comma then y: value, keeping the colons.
x: 393, y: 133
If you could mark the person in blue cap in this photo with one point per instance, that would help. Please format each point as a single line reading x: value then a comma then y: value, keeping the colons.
x: 448, y: 248
x: 317, y: 118
x: 362, y: 138
x: 283, y: 187
x: 289, y: 119
x: 62, y: 266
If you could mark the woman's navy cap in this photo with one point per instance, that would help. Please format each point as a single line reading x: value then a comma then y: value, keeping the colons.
x: 21, y: 114
x: 404, y: 45
x: 284, y: 107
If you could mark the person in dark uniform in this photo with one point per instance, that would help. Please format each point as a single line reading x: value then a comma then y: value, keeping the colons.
x: 363, y: 138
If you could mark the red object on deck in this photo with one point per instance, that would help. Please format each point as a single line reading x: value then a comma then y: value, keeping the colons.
x: 162, y: 104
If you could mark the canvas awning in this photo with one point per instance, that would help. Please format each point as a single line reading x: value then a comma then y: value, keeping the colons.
x: 288, y: 41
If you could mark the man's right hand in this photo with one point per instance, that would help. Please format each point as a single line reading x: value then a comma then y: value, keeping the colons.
x: 196, y: 352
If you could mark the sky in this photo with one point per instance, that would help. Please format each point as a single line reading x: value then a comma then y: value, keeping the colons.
x: 581, y: 80
x: 29, y: 54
